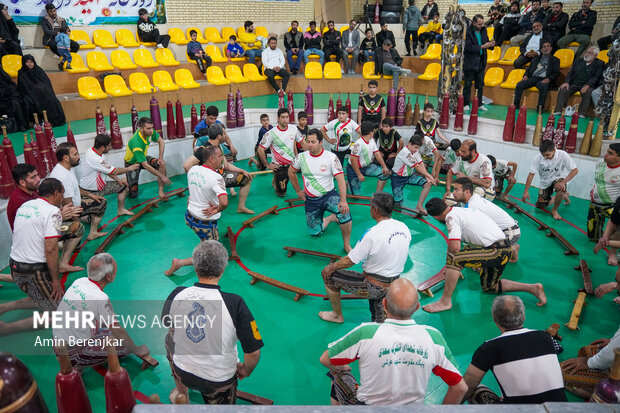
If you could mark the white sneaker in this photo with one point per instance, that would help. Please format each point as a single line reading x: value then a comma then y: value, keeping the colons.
x: 482, y: 107
x: 466, y: 108
x: 160, y: 46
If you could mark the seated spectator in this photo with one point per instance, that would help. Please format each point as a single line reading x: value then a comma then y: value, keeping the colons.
x: 250, y: 43
x: 531, y: 46
x: 526, y: 22
x: 508, y: 25
x: 545, y: 7
x: 604, y: 42
x: 583, y: 77
x: 541, y: 73
x: 196, y: 53
x: 9, y: 33
x: 351, y: 46
x: 388, y: 62
x: 384, y: 34
x: 432, y: 31
x: 38, y: 93
x: 368, y: 46
x: 294, y: 46
x: 331, y: 42
x: 211, y: 366
x: 147, y: 32
x: 234, y: 49
x: 11, y: 102
x: 51, y: 24
x: 555, y: 23
x: 428, y: 10
x: 496, y: 12
x: 312, y: 43
x: 580, y: 28
x: 396, y: 377
x: 273, y: 61
x: 524, y: 361
x: 64, y: 48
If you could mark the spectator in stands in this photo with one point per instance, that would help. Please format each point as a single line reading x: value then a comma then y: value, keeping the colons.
x: 64, y: 48
x: 524, y: 361
x: 294, y: 46
x: 583, y: 77
x: 388, y: 62
x: 428, y: 10
x: 331, y: 42
x: 196, y: 53
x: 11, y: 102
x: 273, y: 61
x: 398, y: 376
x: 147, y: 32
x: 541, y: 73
x: 9, y: 33
x: 496, y: 12
x: 411, y: 23
x: 38, y: 93
x: 580, y: 28
x: 250, y: 43
x: 531, y: 46
x: 605, y: 41
x: 233, y: 49
x: 508, y: 26
x: 351, y: 46
x: 475, y: 59
x: 51, y: 24
x: 312, y: 43
x: 369, y: 44
x: 545, y: 7
x: 555, y: 23
x: 526, y: 22
x: 432, y: 31
x: 384, y: 34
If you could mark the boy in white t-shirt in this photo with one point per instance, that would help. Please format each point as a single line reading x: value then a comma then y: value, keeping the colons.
x: 447, y: 159
x: 360, y: 165
x: 503, y: 170
x: 342, y: 128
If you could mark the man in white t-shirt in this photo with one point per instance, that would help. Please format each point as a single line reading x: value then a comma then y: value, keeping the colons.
x: 86, y: 294
x: 555, y: 169
x: 503, y: 170
x: 281, y: 140
x: 384, y: 249
x: 207, y: 199
x: 93, y: 206
x: 318, y: 169
x: 486, y: 248
x: 342, y: 129
x: 475, y: 166
x: 96, y: 169
x: 396, y: 357
x: 360, y: 165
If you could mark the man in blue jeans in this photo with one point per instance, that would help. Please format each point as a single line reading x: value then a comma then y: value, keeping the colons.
x: 294, y: 45
x: 388, y: 62
x: 312, y: 44
x: 252, y: 44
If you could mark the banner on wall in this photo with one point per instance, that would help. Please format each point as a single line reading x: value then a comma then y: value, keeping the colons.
x: 84, y: 12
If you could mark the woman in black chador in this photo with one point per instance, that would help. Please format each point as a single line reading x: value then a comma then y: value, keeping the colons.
x: 38, y: 93
x: 11, y: 103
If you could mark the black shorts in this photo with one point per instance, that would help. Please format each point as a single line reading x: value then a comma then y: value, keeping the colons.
x: 545, y: 194
x: 134, y: 176
x: 280, y: 180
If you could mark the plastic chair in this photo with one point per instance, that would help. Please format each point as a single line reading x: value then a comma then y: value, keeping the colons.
x: 121, y: 60
x: 514, y: 77
x: 126, y: 38
x: 494, y: 76
x: 510, y: 56
x: 490, y: 32
x: 261, y: 31
x: 145, y: 43
x: 233, y: 73
x: 77, y: 65
x: 566, y: 57
x: 215, y: 76
x: 573, y: 44
x: 431, y: 72
x: 11, y: 63
x: 313, y: 70
x: 240, y: 31
x: 144, y: 58
x: 227, y: 32
x: 184, y: 78
x: 90, y: 89
x: 433, y: 52
x: 277, y: 77
x: 163, y: 81
x: 421, y: 29
x: 81, y: 36
x: 250, y: 71
x: 604, y: 56
x: 215, y: 54
x: 166, y: 58
x: 232, y: 59
x: 103, y: 38
x: 494, y: 54
x: 368, y: 71
x: 177, y: 36
x: 140, y: 83
x: 98, y: 62
x: 199, y: 37
x: 213, y: 35
x: 115, y: 86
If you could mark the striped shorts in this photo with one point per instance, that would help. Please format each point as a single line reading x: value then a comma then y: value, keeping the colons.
x: 36, y: 281
x: 491, y: 261
x: 205, y: 230
x: 583, y: 381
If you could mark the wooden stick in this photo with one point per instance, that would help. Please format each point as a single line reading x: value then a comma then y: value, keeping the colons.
x: 253, y: 399
x: 574, y: 317
x: 425, y: 286
x: 261, y: 172
x: 148, y: 361
x: 585, y: 273
x: 292, y: 251
x: 250, y: 222
x: 299, y: 292
x: 553, y: 331
x: 232, y: 240
x: 293, y: 200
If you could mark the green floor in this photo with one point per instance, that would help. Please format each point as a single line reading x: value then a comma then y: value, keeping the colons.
x: 289, y: 371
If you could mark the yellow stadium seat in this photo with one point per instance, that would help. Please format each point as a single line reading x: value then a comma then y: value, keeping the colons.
x: 250, y: 71
x: 332, y: 70
x: 494, y: 54
x: 103, y: 38
x: 490, y: 32
x: 140, y: 83
x: 494, y: 76
x: 232, y: 59
x: 277, y: 77
x: 11, y: 63
x: 215, y: 76
x: 144, y: 58
x: 603, y: 55
x: 313, y: 70
x: 90, y: 89
x: 227, y: 32
x: 233, y: 73
x: 126, y: 38
x: 421, y: 29
x: 431, y: 72
x: 342, y: 29
x: 239, y: 31
x: 166, y: 58
x: 98, y: 62
x: 163, y: 81
x: 215, y: 54
x: 77, y: 64
x: 573, y: 44
x: 184, y: 78
x: 388, y: 77
x: 115, y: 86
x: 325, y: 29
x: 81, y: 36
x: 368, y: 71
x: 177, y: 36
x: 566, y: 57
x: 145, y: 43
x: 510, y: 56
x: 261, y: 31
x: 200, y: 38
x: 514, y: 77
x: 121, y: 60
x: 433, y: 52
x: 213, y: 35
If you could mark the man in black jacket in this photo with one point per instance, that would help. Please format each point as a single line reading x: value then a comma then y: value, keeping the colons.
x: 604, y: 42
x: 542, y: 73
x: 531, y: 46
x: 388, y: 62
x: 384, y: 34
x: 580, y: 28
x: 526, y: 22
x: 51, y: 24
x: 475, y: 59
x: 294, y: 45
x: 147, y: 32
x: 331, y: 42
x: 555, y: 23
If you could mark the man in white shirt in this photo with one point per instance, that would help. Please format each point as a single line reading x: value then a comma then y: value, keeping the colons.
x: 96, y: 168
x: 93, y: 206
x: 361, y: 163
x: 384, y: 249
x: 396, y: 357
x: 555, y: 169
x: 274, y: 63
x: 487, y: 248
x: 342, y: 129
x: 475, y: 166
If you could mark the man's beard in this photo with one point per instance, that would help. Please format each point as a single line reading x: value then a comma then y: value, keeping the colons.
x: 73, y: 165
x: 467, y: 157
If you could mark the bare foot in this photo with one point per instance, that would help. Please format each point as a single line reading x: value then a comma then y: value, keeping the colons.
x: 124, y: 212
x: 437, y: 306
x: 328, y: 220
x: 420, y: 210
x: 174, y: 267
x: 331, y: 317
x: 556, y: 215
x: 539, y: 292
x: 96, y: 235
x: 70, y: 268
x: 162, y: 194
x: 244, y: 210
x: 616, y: 300
x: 515, y: 253
x: 233, y: 192
x: 612, y: 259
